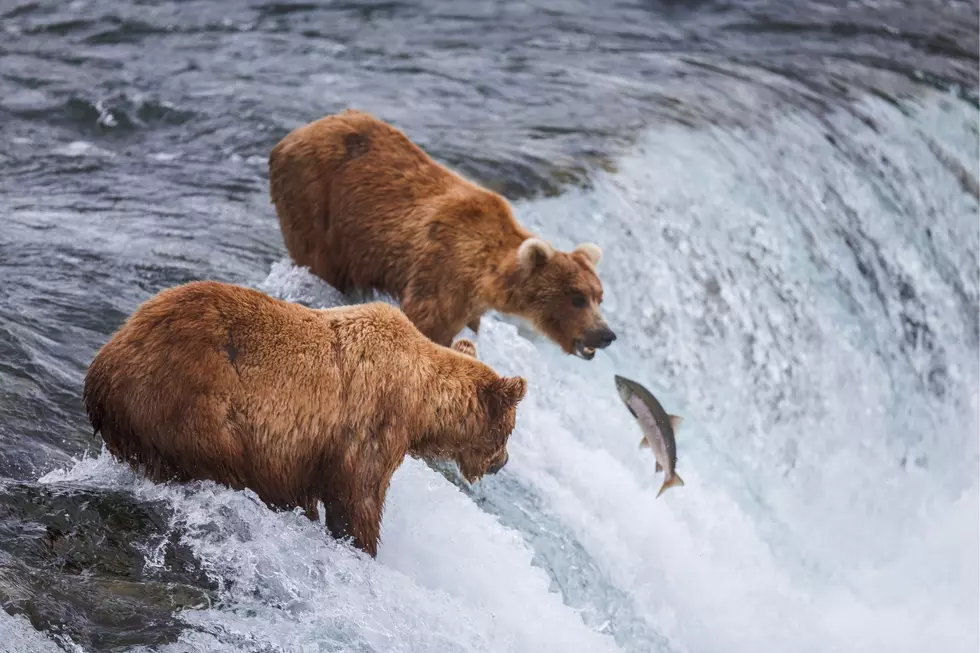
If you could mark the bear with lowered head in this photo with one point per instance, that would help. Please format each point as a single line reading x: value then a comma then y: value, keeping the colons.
x: 211, y: 381
x: 366, y: 209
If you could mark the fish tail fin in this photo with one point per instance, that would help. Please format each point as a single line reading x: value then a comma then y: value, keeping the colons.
x: 673, y: 481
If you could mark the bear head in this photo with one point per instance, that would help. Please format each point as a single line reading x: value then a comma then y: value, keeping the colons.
x: 560, y: 293
x: 488, y: 428
x: 474, y: 434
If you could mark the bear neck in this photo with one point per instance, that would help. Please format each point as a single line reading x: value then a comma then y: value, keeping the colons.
x: 454, y: 383
x: 502, y: 289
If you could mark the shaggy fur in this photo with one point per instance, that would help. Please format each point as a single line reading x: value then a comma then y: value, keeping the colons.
x: 366, y: 209
x: 220, y: 382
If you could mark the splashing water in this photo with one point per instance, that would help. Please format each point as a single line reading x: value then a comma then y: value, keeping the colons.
x: 786, y: 194
x: 815, y: 325
x: 439, y: 586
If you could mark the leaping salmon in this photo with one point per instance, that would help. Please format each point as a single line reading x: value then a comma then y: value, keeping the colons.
x: 658, y: 428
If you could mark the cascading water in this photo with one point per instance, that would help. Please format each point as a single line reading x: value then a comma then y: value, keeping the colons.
x: 791, y: 263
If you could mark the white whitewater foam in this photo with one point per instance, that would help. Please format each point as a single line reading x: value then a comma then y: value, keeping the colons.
x: 832, y: 495
x: 448, y: 577
x: 762, y: 284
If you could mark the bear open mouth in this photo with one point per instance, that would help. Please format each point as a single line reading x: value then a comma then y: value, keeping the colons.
x: 587, y: 353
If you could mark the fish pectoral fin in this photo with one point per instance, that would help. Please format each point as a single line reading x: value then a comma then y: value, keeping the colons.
x: 660, y: 467
x: 644, y: 443
x: 673, y: 481
x: 675, y: 422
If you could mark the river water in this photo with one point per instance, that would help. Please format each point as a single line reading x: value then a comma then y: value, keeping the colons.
x: 786, y: 194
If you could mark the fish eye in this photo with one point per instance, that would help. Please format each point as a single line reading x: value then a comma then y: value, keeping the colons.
x: 578, y: 300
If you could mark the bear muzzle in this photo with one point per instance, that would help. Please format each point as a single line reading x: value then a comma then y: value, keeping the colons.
x: 599, y: 337
x: 498, y: 464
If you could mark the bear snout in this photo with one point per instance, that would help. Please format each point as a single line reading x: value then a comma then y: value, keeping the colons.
x: 593, y: 339
x: 599, y: 337
x: 498, y: 464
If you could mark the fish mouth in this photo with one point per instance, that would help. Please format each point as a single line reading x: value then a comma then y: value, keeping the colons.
x: 583, y: 352
x: 622, y: 388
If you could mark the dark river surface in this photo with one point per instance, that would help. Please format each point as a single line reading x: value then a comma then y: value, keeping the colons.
x: 786, y: 193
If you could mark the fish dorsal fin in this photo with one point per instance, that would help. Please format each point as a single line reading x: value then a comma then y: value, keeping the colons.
x: 644, y: 443
x: 660, y: 467
x: 675, y: 422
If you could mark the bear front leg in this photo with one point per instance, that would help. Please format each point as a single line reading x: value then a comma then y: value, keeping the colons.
x: 356, y: 521
x: 427, y: 318
x: 359, y: 498
x: 337, y: 519
x: 366, y: 529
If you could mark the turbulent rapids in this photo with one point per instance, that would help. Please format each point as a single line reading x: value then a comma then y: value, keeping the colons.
x: 786, y: 199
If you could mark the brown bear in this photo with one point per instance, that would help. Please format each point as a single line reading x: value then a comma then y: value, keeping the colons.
x: 366, y: 209
x: 212, y: 381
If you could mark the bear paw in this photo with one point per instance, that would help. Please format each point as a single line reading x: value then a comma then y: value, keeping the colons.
x: 465, y: 346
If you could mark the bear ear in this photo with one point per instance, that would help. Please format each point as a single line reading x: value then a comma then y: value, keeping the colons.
x: 504, y: 393
x: 514, y: 388
x: 591, y: 251
x: 534, y: 252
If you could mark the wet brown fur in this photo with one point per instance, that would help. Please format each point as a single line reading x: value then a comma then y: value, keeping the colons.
x: 366, y: 209
x: 218, y: 382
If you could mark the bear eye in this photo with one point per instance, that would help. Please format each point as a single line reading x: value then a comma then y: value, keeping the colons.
x: 578, y: 300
